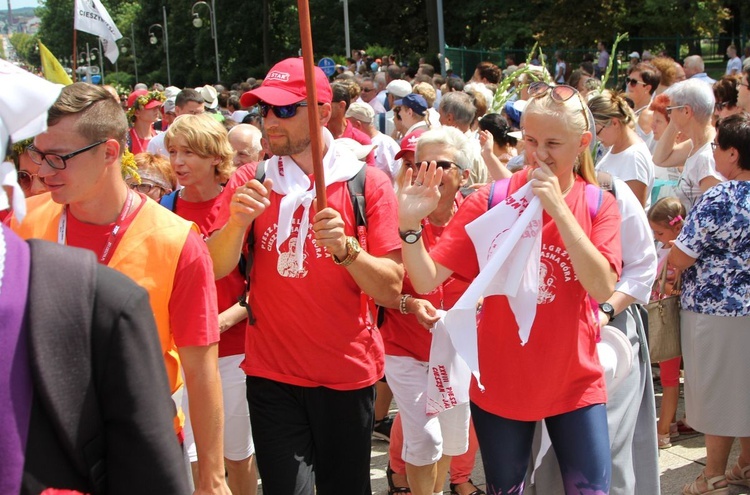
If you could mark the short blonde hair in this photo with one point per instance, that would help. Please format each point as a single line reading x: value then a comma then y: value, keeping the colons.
x: 205, y: 137
x: 427, y: 91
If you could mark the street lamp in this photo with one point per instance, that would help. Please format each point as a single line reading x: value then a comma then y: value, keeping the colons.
x: 165, y: 40
x: 198, y: 23
x: 124, y: 50
x: 101, y: 61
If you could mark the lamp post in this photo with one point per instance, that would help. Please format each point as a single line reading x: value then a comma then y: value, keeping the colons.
x: 198, y: 23
x: 124, y: 50
x: 154, y: 40
x: 101, y: 60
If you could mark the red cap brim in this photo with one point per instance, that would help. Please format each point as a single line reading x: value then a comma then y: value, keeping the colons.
x: 270, y: 95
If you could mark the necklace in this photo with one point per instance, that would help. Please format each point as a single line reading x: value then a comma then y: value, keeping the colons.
x: 567, y: 190
x: 182, y: 195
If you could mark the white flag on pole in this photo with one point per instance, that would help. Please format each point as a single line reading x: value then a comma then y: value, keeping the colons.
x: 91, y: 17
x: 508, y: 242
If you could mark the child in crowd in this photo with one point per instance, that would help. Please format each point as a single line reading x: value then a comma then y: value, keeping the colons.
x: 666, y: 217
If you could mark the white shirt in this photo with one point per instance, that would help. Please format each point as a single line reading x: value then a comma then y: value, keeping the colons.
x: 156, y: 146
x: 697, y: 167
x: 385, y: 154
x: 734, y: 65
x: 634, y: 163
x: 638, y: 252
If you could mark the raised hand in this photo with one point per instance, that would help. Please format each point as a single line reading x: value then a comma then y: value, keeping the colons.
x: 249, y: 201
x: 420, y: 196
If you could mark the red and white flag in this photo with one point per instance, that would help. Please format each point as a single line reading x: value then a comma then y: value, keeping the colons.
x: 91, y: 17
x: 507, y: 240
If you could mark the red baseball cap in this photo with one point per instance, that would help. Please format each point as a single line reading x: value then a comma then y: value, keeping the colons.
x: 141, y: 92
x: 285, y: 84
x: 409, y: 142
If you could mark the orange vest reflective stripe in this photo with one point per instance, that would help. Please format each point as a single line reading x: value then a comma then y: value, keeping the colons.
x: 148, y: 253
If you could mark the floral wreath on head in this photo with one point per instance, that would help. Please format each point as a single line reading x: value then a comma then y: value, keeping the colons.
x: 143, y: 100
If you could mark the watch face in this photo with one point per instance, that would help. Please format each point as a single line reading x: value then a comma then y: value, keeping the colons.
x: 411, y: 238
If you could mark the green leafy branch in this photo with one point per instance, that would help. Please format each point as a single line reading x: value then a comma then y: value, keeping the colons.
x: 620, y: 37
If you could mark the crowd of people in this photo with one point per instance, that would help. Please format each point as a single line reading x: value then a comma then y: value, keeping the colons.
x: 282, y: 328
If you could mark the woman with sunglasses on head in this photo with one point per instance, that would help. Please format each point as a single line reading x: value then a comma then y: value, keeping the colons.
x: 713, y: 253
x: 690, y: 111
x: 201, y: 157
x: 556, y: 375
x: 628, y: 157
x: 157, y: 176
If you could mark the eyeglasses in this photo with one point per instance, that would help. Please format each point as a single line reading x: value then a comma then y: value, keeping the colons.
x: 281, y: 111
x: 603, y: 126
x: 740, y: 83
x: 634, y: 82
x: 58, y: 162
x: 25, y: 179
x: 368, y: 90
x: 444, y: 164
x: 669, y: 109
x: 714, y: 145
x: 721, y: 105
x: 560, y: 93
x: 144, y: 187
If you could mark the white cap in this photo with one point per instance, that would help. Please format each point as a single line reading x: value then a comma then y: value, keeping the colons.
x: 398, y: 88
x: 634, y: 55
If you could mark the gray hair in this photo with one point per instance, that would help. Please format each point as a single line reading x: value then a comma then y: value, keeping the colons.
x: 379, y: 80
x: 459, y: 105
x: 696, y: 94
x: 695, y: 64
x: 453, y: 139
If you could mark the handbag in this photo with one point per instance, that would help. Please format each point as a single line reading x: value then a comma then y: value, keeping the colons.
x: 664, y: 321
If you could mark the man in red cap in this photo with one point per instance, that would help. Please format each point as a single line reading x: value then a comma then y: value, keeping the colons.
x: 313, y: 353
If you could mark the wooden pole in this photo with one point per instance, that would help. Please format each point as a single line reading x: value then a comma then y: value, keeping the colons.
x: 312, y: 103
x: 75, y: 54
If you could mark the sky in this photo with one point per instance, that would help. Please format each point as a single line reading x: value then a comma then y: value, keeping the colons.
x: 17, y: 4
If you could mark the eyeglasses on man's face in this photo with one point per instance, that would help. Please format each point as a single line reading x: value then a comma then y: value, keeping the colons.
x: 281, y: 111
x: 145, y: 187
x: 58, y: 162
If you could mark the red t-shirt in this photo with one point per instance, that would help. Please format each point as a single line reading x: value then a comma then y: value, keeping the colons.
x: 229, y: 288
x: 192, y: 305
x: 309, y: 329
x: 402, y: 334
x: 558, y: 370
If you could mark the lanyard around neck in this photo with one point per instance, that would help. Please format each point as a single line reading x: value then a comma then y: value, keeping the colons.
x: 112, y: 240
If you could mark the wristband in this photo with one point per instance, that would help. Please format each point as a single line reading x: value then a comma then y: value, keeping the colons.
x: 402, y: 305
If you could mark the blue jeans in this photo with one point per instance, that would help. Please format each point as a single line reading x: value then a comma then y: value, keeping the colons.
x: 580, y: 439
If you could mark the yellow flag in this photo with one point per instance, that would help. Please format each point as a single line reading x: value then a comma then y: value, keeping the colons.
x: 53, y: 71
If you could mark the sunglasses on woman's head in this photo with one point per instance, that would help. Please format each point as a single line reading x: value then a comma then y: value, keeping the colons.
x: 560, y: 93
x: 281, y: 111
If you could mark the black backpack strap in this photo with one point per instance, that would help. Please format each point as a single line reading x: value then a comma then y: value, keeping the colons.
x: 356, y: 187
x: 246, y: 261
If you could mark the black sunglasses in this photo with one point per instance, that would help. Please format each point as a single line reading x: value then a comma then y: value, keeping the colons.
x: 281, y: 111
x: 634, y: 82
x: 58, y: 162
x: 444, y: 164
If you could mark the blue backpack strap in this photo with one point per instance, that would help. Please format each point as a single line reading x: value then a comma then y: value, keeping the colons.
x: 381, y: 122
x: 498, y: 192
x: 169, y: 201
